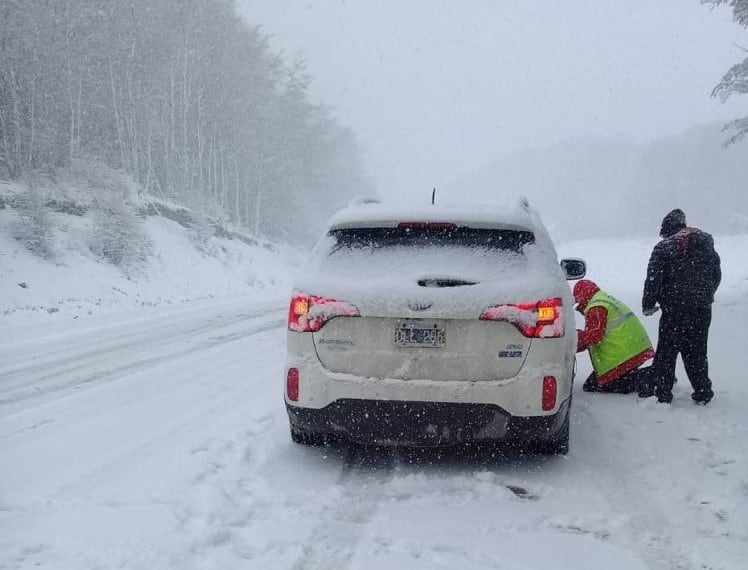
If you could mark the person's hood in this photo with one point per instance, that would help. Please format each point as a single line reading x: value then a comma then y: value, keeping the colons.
x: 584, y: 290
x: 693, y: 239
x: 674, y: 222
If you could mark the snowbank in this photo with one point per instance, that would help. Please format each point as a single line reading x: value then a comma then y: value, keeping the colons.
x: 76, y: 282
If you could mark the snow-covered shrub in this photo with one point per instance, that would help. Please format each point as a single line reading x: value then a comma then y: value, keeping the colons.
x: 201, y: 235
x: 33, y: 227
x: 197, y: 219
x: 117, y: 235
x: 92, y: 176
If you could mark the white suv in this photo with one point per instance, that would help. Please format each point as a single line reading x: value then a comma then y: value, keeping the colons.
x: 433, y: 326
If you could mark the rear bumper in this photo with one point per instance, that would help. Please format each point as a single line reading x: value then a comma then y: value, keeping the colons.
x: 384, y: 422
x: 519, y: 396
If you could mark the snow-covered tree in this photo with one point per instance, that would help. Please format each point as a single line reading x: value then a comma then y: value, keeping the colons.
x: 735, y: 81
x: 117, y: 235
x: 183, y: 95
x: 33, y: 227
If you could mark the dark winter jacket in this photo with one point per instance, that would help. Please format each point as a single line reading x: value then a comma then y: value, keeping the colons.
x: 684, y: 270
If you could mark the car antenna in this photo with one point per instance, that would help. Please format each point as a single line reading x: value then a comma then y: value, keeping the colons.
x: 433, y: 196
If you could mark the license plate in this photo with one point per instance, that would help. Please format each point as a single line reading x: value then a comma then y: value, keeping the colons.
x: 419, y: 335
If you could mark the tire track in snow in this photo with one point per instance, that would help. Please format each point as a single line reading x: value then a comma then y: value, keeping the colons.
x: 333, y: 540
x: 81, y: 349
x: 30, y: 352
x: 105, y: 364
x: 651, y: 529
x: 137, y: 430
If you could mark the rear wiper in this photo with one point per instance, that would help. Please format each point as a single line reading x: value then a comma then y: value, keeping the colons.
x: 444, y: 282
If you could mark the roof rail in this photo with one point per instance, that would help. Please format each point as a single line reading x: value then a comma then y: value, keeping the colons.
x: 363, y: 201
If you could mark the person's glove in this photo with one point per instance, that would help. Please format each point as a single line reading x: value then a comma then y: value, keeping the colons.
x: 650, y: 311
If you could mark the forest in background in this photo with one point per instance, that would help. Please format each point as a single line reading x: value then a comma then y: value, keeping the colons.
x: 184, y: 96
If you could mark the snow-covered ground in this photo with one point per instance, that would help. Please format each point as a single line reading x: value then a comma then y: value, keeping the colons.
x: 75, y: 284
x: 158, y: 439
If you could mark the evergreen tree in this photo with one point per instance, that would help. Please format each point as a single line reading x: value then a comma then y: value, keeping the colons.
x: 735, y: 81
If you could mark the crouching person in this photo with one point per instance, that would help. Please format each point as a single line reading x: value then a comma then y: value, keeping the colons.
x: 617, y: 342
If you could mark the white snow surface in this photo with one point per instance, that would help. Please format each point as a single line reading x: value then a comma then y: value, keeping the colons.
x: 158, y: 439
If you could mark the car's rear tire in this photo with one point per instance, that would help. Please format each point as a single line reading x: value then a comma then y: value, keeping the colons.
x: 556, y: 446
x: 303, y: 438
x: 559, y: 445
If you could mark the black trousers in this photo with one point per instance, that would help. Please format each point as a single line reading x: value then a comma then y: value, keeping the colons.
x: 626, y: 384
x: 683, y: 331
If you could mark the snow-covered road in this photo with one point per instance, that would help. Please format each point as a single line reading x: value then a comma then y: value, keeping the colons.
x: 159, y: 440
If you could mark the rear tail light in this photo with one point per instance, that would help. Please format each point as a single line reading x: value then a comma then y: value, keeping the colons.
x: 535, y: 320
x: 292, y: 384
x: 550, y: 390
x: 308, y: 313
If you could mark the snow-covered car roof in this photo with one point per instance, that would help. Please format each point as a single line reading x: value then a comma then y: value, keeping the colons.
x: 517, y: 215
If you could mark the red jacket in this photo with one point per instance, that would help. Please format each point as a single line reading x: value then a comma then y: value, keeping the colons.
x: 595, y: 324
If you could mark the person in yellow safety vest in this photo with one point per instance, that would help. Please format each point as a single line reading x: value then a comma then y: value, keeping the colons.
x: 617, y: 342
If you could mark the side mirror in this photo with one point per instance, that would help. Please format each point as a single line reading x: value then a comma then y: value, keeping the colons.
x: 574, y: 268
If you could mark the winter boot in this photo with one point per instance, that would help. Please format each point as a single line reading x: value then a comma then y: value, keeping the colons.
x: 645, y: 391
x: 702, y: 397
x: 645, y: 388
x: 665, y: 398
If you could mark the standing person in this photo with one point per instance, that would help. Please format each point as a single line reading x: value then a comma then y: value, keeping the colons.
x: 617, y: 341
x: 683, y: 275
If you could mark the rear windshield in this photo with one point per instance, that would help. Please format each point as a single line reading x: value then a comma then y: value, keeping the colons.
x: 489, y: 240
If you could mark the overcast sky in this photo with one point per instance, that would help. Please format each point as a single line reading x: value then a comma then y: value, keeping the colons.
x: 437, y: 88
